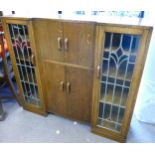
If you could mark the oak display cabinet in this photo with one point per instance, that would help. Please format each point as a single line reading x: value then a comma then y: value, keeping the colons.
x: 22, y: 52
x: 85, y: 71
x: 119, y: 61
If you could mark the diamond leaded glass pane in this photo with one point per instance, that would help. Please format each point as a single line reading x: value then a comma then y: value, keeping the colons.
x: 23, y: 53
x: 118, y: 61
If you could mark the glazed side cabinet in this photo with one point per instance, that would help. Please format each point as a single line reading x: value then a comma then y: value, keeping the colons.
x: 19, y: 34
x: 119, y: 60
x: 85, y: 71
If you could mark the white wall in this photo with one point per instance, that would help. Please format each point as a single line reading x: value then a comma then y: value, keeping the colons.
x: 145, y: 105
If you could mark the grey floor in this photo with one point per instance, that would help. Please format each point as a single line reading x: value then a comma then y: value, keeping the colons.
x: 24, y: 126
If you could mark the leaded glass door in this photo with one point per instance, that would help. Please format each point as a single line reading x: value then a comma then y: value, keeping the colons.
x: 118, y: 61
x: 23, y: 56
x: 116, y: 79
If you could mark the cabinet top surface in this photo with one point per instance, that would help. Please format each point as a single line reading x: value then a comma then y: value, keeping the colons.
x: 128, y: 21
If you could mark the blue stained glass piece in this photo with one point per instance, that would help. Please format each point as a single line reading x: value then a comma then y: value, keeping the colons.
x: 119, y: 52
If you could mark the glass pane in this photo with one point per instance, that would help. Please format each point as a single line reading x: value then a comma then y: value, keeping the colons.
x: 107, y: 40
x: 102, y: 91
x: 22, y: 50
x: 118, y: 62
x: 108, y: 96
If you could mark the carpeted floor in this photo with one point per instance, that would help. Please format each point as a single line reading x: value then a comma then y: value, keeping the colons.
x: 23, y: 126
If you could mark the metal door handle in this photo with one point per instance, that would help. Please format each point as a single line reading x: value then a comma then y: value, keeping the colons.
x: 59, y: 39
x: 66, y: 44
x: 98, y: 71
x: 62, y: 85
x: 68, y: 87
x: 33, y: 60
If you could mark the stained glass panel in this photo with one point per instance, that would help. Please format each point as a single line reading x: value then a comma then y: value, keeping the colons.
x: 23, y: 53
x: 118, y: 61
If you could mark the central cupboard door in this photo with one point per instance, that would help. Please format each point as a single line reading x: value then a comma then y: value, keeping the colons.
x: 48, y: 37
x: 79, y: 93
x: 68, y: 90
x: 55, y: 88
x: 79, y: 43
x: 64, y: 41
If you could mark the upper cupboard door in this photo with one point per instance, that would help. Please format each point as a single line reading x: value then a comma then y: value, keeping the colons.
x: 79, y: 43
x: 22, y: 52
x: 49, y: 39
x: 120, y: 56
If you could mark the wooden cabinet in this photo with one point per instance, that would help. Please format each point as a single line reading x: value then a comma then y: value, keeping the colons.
x: 119, y: 62
x: 66, y: 56
x: 85, y: 71
x: 22, y: 51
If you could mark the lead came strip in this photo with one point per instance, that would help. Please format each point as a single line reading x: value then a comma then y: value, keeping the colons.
x: 111, y: 38
x: 116, y: 74
x: 35, y: 98
x: 125, y: 76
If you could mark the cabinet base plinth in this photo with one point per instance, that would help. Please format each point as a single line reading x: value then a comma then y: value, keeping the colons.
x: 117, y: 138
x: 38, y: 111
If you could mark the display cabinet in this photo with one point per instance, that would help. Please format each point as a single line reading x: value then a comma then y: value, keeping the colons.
x: 82, y: 70
x: 22, y: 51
x: 119, y: 61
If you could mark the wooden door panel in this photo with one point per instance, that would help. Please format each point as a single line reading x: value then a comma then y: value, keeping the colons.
x: 79, y: 93
x: 54, y: 80
x: 48, y: 35
x: 80, y: 43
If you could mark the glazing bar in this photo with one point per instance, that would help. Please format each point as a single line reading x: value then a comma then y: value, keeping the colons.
x: 116, y: 74
x: 110, y: 83
x: 111, y: 121
x: 125, y: 76
x: 111, y: 39
x: 27, y: 39
x: 109, y: 103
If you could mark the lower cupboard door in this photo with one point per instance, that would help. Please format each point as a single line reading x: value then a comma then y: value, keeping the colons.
x: 55, y: 92
x: 79, y: 93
